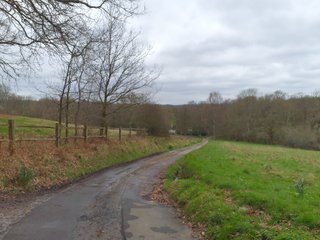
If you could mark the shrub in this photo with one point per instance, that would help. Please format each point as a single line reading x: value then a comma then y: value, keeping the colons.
x: 25, y: 176
x: 299, y: 137
x: 5, y: 182
x: 155, y: 119
x: 184, y: 172
x: 299, y: 186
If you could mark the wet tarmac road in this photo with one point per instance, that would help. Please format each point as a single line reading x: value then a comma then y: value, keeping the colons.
x: 111, y: 205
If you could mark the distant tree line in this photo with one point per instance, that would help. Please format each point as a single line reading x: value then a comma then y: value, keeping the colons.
x: 275, y: 118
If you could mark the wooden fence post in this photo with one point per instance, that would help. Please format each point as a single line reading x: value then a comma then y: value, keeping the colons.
x: 11, y: 135
x: 85, y: 133
x: 75, y: 133
x: 119, y: 134
x: 58, y: 136
x: 66, y: 140
x: 106, y: 132
x: 101, y: 131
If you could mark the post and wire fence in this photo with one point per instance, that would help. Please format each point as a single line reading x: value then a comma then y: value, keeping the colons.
x: 60, y: 134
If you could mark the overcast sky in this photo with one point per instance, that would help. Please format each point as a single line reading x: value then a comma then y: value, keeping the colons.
x: 230, y: 45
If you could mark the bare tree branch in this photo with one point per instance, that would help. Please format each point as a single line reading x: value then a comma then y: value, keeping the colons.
x: 29, y: 26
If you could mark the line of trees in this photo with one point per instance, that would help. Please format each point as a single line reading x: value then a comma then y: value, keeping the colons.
x: 105, y: 66
x: 155, y: 118
x: 275, y: 118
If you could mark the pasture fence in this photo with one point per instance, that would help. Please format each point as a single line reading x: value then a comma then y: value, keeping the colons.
x: 59, y: 133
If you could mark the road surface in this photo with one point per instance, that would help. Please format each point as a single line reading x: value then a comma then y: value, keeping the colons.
x: 112, y: 205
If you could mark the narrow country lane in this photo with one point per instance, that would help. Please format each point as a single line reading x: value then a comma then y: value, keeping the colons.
x: 111, y: 205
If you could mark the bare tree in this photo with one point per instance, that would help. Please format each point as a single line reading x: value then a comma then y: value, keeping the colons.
x: 119, y: 71
x: 75, y: 79
x: 215, y: 98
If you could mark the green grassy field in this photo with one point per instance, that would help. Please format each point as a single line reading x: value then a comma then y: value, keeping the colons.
x: 22, y: 121
x: 249, y: 191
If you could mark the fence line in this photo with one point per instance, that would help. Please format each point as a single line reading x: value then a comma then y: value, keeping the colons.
x: 57, y: 138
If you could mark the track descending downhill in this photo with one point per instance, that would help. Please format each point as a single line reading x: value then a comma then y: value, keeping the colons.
x: 111, y: 205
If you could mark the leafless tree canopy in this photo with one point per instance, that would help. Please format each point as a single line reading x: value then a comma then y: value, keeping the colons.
x: 215, y: 98
x: 120, y: 64
x: 105, y: 65
x: 102, y: 62
x: 119, y: 70
x: 27, y: 26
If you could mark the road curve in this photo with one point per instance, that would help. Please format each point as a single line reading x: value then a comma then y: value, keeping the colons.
x: 111, y: 205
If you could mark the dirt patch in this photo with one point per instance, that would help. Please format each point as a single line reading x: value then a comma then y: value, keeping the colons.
x: 159, y: 195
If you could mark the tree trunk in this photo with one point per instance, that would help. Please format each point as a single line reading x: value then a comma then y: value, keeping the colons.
x: 67, y: 110
x: 104, y: 122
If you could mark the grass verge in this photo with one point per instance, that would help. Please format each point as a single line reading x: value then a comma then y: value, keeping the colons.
x: 36, y: 166
x: 249, y: 191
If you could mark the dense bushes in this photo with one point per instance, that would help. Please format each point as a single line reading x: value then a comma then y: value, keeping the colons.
x: 155, y: 119
x: 300, y: 138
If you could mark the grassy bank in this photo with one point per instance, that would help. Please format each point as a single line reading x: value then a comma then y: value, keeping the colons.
x: 41, y: 165
x: 248, y: 191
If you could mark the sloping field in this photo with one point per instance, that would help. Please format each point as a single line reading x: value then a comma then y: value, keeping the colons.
x: 249, y: 191
x: 26, y: 121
